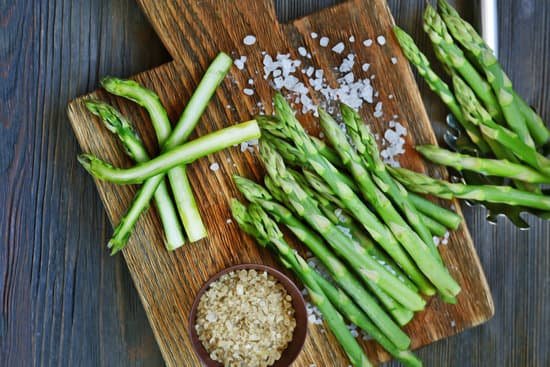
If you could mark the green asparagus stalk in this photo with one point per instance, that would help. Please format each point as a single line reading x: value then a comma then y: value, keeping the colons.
x: 442, y: 215
x: 367, y: 268
x: 256, y: 222
x: 419, y: 60
x: 400, y: 313
x: 183, y: 194
x: 477, y: 114
x: 379, y: 232
x: 366, y: 146
x: 183, y: 154
x: 516, y: 110
x: 419, y: 250
x: 490, y: 193
x: 456, y: 60
x: 121, y: 127
x: 490, y: 167
x: 350, y: 311
x: 256, y: 194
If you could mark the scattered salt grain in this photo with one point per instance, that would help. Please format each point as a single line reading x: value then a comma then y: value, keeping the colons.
x: 390, y: 96
x: 436, y: 241
x: 367, y: 42
x: 302, y: 51
x: 445, y: 239
x: 378, y: 110
x: 229, y: 221
x: 365, y: 66
x: 248, y: 91
x: 214, y: 167
x: 347, y: 64
x: 351, y: 38
x: 381, y: 40
x: 353, y: 330
x: 314, y: 35
x: 339, y: 47
x: 394, y: 60
x: 453, y: 323
x: 323, y: 42
x: 239, y: 63
x: 251, y: 81
x: 249, y: 40
x: 395, y: 143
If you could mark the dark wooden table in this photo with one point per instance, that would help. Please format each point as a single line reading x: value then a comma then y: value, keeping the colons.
x: 66, y: 302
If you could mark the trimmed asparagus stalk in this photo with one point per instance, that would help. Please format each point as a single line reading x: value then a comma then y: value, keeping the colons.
x: 256, y: 222
x: 490, y: 167
x: 442, y: 215
x: 494, y: 194
x: 122, y: 128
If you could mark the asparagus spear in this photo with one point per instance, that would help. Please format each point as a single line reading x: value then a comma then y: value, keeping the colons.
x: 400, y: 313
x: 366, y: 146
x: 376, y: 229
x: 346, y: 306
x: 444, y: 216
x: 494, y: 194
x: 453, y: 56
x: 183, y: 194
x: 183, y: 154
x: 490, y: 167
x: 256, y: 222
x: 367, y: 268
x: 133, y: 146
x: 256, y: 194
x: 419, y: 250
x: 514, y: 107
x: 477, y: 114
x: 418, y: 59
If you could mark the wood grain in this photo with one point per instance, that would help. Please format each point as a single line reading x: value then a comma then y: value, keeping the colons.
x: 167, y: 282
x: 64, y: 301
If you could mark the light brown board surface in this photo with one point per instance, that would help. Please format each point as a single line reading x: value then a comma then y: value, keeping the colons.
x: 193, y: 33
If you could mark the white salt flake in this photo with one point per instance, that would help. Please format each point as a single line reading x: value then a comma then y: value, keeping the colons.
x: 239, y: 63
x: 339, y: 47
x: 251, y: 81
x: 229, y: 221
x: 394, y: 60
x: 347, y: 64
x: 395, y: 143
x: 248, y: 91
x: 314, y: 35
x: 302, y: 51
x: 365, y: 66
x: 351, y: 38
x: 381, y: 40
x: 214, y: 166
x: 367, y: 42
x: 323, y: 42
x: 249, y: 40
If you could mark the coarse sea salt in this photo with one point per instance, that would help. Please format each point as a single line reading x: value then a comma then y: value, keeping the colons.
x: 381, y: 40
x: 339, y: 47
x: 249, y: 40
x: 214, y: 166
x: 365, y: 66
x: 314, y: 35
x: 393, y: 137
x: 239, y: 63
x: 302, y: 51
x: 323, y: 42
x: 248, y: 91
x: 367, y: 42
x: 394, y: 60
x: 351, y: 38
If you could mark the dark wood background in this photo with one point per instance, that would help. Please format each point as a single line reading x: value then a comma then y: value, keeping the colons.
x: 65, y: 302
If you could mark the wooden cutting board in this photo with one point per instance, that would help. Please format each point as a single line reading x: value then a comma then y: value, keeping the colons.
x: 194, y: 32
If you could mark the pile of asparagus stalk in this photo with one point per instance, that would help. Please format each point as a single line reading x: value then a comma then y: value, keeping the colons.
x: 508, y: 135
x: 374, y: 237
x: 178, y: 206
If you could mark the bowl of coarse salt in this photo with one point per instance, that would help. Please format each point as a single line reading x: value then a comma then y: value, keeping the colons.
x: 248, y: 315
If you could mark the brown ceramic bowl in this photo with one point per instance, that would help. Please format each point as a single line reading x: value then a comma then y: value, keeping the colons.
x: 300, y: 314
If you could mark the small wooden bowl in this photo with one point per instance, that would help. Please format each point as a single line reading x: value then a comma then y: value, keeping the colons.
x: 300, y: 331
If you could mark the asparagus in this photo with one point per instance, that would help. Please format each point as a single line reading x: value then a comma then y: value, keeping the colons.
x: 419, y: 250
x: 516, y: 111
x: 401, y: 314
x: 183, y: 154
x: 491, y: 193
x: 121, y: 127
x: 255, y: 222
x: 256, y: 194
x: 444, y: 216
x: 379, y: 232
x: 346, y: 306
x: 477, y: 114
x: 183, y: 194
x: 490, y: 167
x: 365, y: 143
x: 454, y: 58
x: 367, y: 268
x: 418, y: 59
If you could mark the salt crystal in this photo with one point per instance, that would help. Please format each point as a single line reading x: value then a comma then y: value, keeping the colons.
x: 394, y: 60
x: 302, y: 51
x: 352, y: 38
x: 453, y: 323
x: 314, y: 35
x: 239, y: 63
x: 339, y: 47
x: 214, y: 167
x: 367, y: 42
x: 390, y: 96
x: 365, y: 66
x: 250, y: 81
x: 249, y: 40
x: 347, y: 63
x: 323, y: 42
x: 436, y: 240
x: 381, y: 40
x: 248, y: 91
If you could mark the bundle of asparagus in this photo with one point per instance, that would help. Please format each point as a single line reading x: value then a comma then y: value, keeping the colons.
x: 374, y: 238
x: 508, y: 135
x: 175, y: 154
